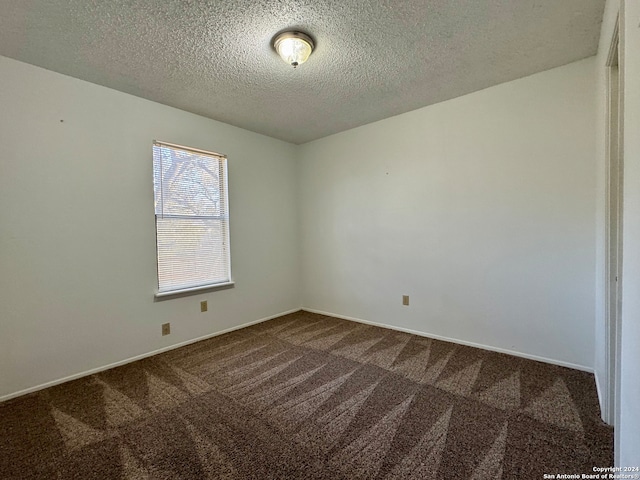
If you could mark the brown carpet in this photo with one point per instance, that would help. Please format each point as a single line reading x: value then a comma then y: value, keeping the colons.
x: 306, y: 396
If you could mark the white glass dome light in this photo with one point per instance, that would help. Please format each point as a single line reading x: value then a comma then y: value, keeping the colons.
x: 293, y: 47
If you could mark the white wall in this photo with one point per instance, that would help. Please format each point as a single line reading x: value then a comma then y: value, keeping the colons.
x: 481, y: 208
x: 628, y: 446
x: 77, y: 235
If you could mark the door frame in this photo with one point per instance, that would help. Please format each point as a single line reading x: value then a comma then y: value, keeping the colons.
x: 613, y: 225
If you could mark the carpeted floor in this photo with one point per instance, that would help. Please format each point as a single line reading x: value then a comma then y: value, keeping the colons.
x: 306, y: 396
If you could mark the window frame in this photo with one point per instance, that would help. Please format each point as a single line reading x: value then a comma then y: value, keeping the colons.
x: 225, y: 218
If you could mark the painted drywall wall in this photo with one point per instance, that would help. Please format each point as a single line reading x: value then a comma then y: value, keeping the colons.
x: 628, y: 435
x: 77, y: 235
x: 481, y: 209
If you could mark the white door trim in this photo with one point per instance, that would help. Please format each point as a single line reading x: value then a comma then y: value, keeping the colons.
x: 613, y: 225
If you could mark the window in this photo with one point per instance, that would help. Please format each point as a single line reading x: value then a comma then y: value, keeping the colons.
x: 192, y: 218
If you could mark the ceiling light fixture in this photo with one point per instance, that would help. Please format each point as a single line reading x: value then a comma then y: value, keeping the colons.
x: 293, y: 47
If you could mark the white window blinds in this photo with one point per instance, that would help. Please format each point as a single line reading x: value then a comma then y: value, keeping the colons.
x: 192, y: 217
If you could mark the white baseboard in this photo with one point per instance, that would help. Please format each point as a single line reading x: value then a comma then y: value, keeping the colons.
x: 601, y: 401
x: 86, y: 373
x: 458, y: 341
x: 600, y: 397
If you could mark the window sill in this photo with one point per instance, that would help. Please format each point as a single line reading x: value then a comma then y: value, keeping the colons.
x: 200, y: 288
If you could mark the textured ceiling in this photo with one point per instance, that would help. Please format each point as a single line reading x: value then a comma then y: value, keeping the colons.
x: 373, y: 59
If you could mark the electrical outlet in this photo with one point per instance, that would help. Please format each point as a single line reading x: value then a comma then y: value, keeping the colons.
x: 203, y: 306
x: 166, y: 329
x: 405, y: 299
